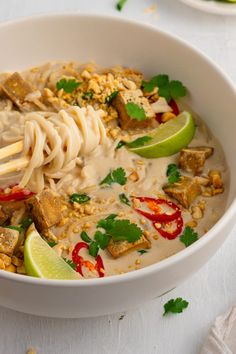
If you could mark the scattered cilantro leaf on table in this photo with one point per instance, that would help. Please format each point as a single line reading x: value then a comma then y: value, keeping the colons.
x: 166, y: 88
x: 134, y: 111
x: 120, y: 4
x: 115, y: 176
x: 175, y: 306
x: 124, y: 199
x: 173, y: 173
x: 189, y: 236
x: 68, y: 85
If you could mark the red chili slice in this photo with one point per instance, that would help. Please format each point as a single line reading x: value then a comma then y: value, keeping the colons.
x: 170, y: 235
x: 175, y: 110
x: 15, y: 194
x: 80, y: 262
x: 159, y: 217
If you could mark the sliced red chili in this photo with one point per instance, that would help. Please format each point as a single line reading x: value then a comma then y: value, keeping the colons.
x: 158, y: 216
x: 80, y: 262
x: 16, y: 193
x: 170, y: 235
x: 175, y: 110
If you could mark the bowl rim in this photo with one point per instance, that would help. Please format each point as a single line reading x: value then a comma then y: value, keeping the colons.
x: 181, y: 255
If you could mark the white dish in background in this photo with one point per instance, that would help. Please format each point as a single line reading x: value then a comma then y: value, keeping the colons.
x: 212, y: 6
x: 110, y: 41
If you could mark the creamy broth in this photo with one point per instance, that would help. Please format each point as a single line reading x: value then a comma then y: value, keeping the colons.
x: 145, y: 176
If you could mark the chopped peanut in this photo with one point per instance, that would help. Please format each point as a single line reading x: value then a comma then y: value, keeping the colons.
x: 11, y: 268
x: 167, y: 116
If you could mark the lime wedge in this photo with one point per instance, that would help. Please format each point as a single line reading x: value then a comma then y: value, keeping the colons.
x: 169, y: 138
x: 41, y: 260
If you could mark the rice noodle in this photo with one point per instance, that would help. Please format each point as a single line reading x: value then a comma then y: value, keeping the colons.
x: 55, y: 140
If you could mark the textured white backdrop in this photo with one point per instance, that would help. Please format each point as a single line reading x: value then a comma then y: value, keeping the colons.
x: 211, y: 291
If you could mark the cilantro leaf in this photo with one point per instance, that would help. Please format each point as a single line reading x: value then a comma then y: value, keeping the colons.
x: 12, y: 227
x: 51, y: 243
x: 93, y: 249
x: 120, y: 230
x: 173, y: 173
x: 87, y: 95
x: 120, y: 4
x: 124, y: 199
x: 139, y: 142
x: 79, y: 198
x: 21, y: 227
x: 85, y: 237
x: 189, y: 236
x: 142, y: 251
x: 102, y: 239
x: 68, y: 85
x: 120, y: 145
x: 175, y: 306
x: 134, y: 111
x: 110, y: 98
x: 166, y: 88
x: 177, y: 89
x: 70, y: 263
x: 115, y: 176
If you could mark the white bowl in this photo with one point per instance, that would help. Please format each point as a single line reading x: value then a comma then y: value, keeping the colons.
x: 213, y: 7
x: 112, y: 41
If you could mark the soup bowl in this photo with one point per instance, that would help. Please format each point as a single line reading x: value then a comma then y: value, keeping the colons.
x: 110, y: 41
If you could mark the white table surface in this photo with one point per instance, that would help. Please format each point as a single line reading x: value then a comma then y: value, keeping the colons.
x: 210, y: 292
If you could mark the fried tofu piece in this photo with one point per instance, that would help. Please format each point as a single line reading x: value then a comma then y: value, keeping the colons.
x: 9, y: 209
x: 134, y: 96
x: 8, y: 240
x: 16, y: 88
x: 45, y: 209
x: 193, y: 159
x: 216, y: 179
x: 184, y: 191
x: 118, y: 249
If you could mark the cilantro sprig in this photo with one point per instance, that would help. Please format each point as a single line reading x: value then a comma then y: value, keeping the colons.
x: 173, y: 173
x: 68, y: 86
x: 175, y: 306
x: 189, y: 236
x: 135, y: 111
x: 166, y: 88
x: 79, y: 198
x: 116, y: 176
x: 120, y: 4
x: 23, y: 226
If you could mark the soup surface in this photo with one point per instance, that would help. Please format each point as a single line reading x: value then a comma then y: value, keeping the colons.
x: 107, y: 166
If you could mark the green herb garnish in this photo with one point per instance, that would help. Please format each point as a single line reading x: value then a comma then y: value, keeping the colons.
x: 12, y: 227
x: 70, y: 263
x: 93, y: 249
x: 124, y: 199
x: 166, y: 88
x: 115, y: 176
x: 189, y: 236
x: 68, y: 85
x: 134, y: 111
x: 79, y: 198
x: 102, y: 239
x: 139, y: 142
x: 23, y: 226
x: 120, y: 230
x: 87, y: 95
x: 51, y: 243
x: 120, y: 145
x: 142, y: 251
x: 85, y: 237
x: 175, y: 306
x: 120, y: 4
x: 173, y: 173
x: 110, y: 98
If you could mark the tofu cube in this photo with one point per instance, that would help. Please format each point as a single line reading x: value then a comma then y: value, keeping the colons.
x: 193, y: 159
x: 45, y: 209
x: 118, y: 249
x: 134, y: 96
x: 8, y: 240
x: 184, y: 191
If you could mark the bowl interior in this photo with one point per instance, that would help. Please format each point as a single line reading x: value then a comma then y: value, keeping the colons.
x: 110, y: 41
